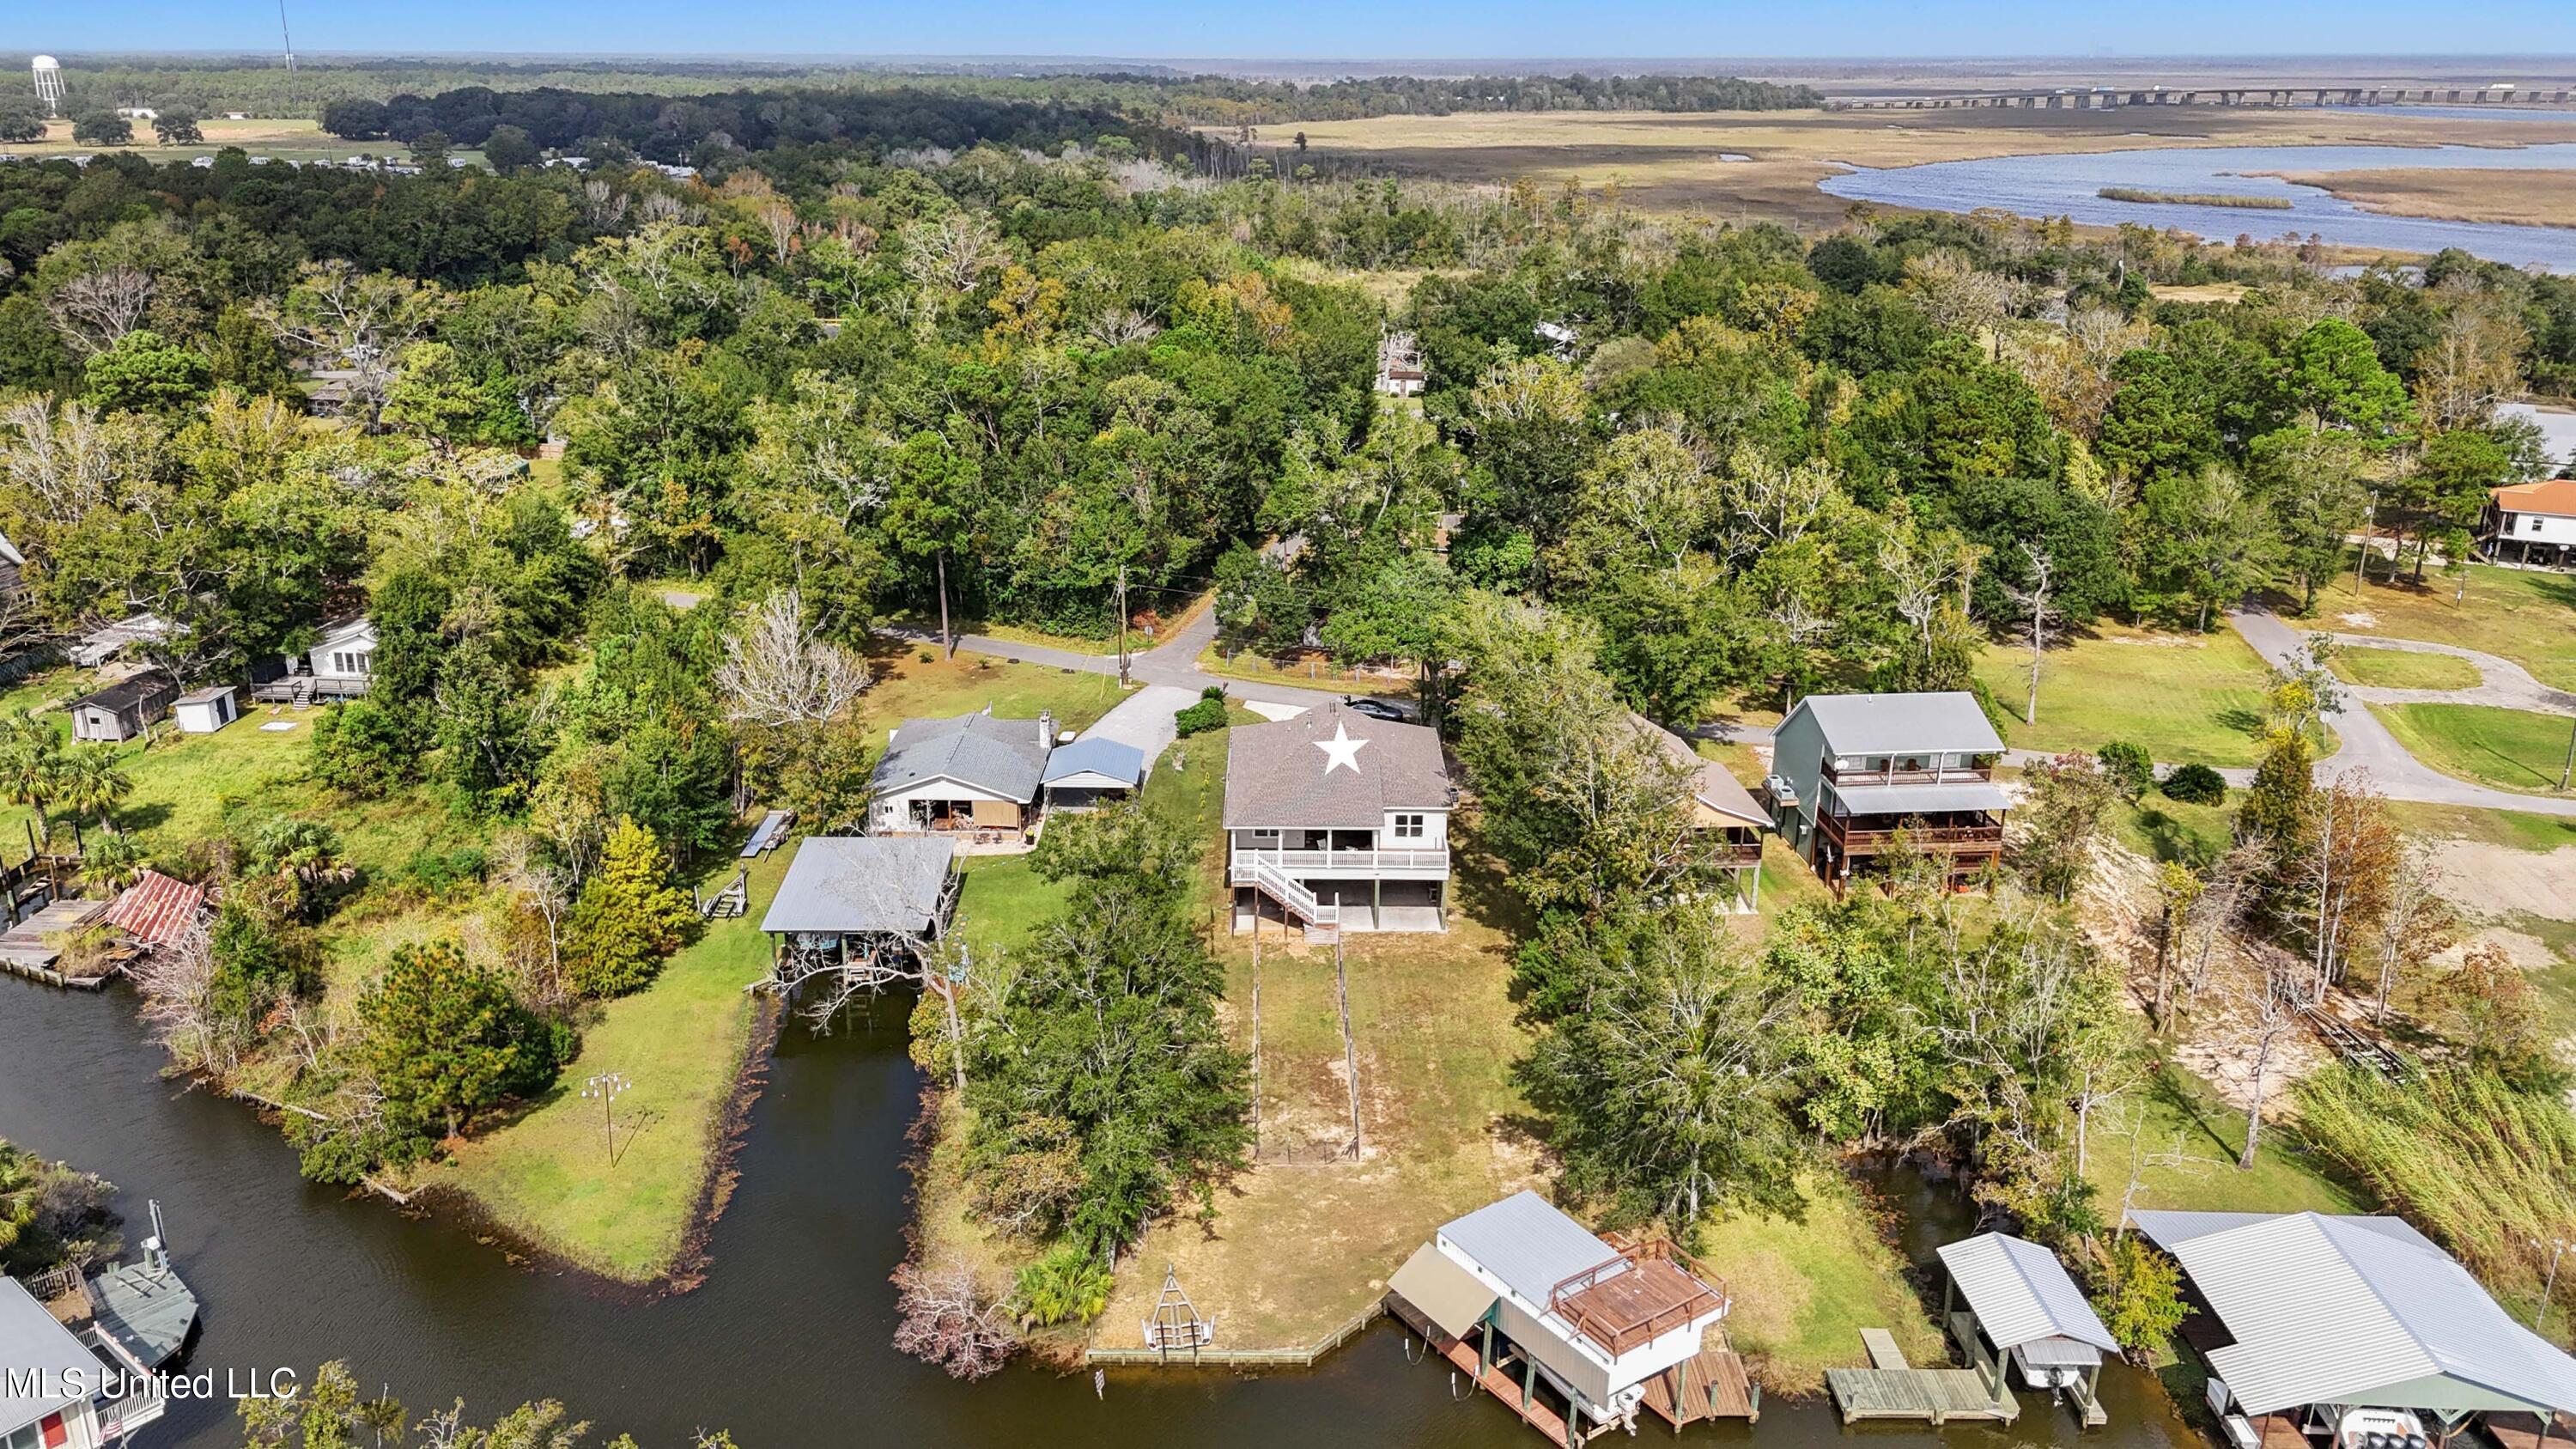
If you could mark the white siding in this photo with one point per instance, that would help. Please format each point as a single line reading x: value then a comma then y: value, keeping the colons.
x: 2554, y: 528
x: 1434, y: 830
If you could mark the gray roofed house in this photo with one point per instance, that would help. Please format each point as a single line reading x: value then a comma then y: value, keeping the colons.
x: 1525, y: 1241
x: 1720, y: 805
x: 1850, y: 770
x: 1329, y: 812
x: 863, y: 885
x: 33, y: 1343
x: 2356, y: 1312
x: 973, y: 773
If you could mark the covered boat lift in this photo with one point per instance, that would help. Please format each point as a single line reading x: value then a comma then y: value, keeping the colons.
x: 2022, y: 1308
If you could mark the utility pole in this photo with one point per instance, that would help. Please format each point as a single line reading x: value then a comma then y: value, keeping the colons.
x: 2558, y: 1247
x: 2569, y: 767
x: 605, y: 1086
x: 2369, y: 527
x: 947, y: 641
x: 1122, y: 626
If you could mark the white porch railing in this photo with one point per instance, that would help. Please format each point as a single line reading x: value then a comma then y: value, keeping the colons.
x: 1267, y: 877
x: 1342, y: 862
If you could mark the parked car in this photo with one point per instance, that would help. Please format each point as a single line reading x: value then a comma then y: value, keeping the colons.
x: 1377, y: 708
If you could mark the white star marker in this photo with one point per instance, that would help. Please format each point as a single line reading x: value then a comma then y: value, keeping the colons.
x: 1341, y: 751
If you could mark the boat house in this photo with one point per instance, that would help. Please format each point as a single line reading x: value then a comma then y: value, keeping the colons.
x: 2346, y: 1332
x: 2021, y: 1308
x: 1574, y: 1332
x: 973, y: 777
x: 1849, y: 771
x: 1339, y: 821
x: 854, y: 894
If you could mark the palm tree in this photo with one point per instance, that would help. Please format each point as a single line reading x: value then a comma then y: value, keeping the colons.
x: 31, y: 767
x: 18, y: 1190
x: 91, y: 781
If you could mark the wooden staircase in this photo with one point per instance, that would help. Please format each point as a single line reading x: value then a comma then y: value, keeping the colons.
x: 1293, y: 898
x: 303, y: 691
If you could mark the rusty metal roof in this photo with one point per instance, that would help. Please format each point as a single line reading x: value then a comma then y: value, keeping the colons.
x: 157, y: 908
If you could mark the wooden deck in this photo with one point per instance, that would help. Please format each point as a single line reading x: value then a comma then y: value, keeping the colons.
x: 1494, y: 1380
x: 2523, y: 1431
x: 1635, y: 1305
x: 1712, y: 1385
x: 2280, y: 1431
x: 1890, y: 1389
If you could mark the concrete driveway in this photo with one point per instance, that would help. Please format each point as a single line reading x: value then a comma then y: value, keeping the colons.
x: 1144, y: 720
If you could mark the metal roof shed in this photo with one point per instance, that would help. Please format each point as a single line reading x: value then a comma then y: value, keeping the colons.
x: 2033, y: 1314
x: 2357, y: 1311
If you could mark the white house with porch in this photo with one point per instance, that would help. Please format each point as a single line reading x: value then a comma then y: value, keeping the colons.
x: 340, y: 665
x: 1338, y: 821
x: 57, y: 1392
x: 973, y: 778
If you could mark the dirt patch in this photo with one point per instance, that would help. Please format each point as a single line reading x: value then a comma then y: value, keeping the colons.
x: 2522, y: 948
x: 2497, y: 881
x: 2161, y: 641
x: 2359, y: 619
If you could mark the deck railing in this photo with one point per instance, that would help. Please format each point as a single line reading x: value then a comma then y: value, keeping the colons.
x: 1930, y: 837
x: 1936, y: 775
x: 1337, y: 862
x: 1616, y: 1338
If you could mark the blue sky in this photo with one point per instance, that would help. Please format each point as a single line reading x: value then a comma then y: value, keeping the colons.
x: 1310, y: 28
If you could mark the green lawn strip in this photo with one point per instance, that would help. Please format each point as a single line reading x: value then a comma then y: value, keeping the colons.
x: 2184, y: 1143
x: 2403, y: 669
x: 2525, y: 615
x: 1804, y: 1290
x: 2510, y: 749
x: 2188, y: 698
x: 2520, y: 829
x: 2162, y: 828
x: 1001, y: 903
x: 908, y: 688
x: 547, y: 1176
x: 1304, y: 671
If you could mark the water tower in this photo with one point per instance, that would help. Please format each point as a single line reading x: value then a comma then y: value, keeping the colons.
x: 49, y: 84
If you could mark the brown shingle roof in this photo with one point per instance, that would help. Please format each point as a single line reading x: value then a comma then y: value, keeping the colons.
x: 1278, y: 775
x: 1717, y: 791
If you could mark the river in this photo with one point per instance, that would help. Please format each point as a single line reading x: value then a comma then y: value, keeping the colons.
x: 786, y: 1343
x: 2066, y: 185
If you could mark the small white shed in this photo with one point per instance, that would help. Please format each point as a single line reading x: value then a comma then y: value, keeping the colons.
x: 204, y: 711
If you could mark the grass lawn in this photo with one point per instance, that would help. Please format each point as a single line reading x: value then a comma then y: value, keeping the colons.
x: 2183, y: 1143
x: 1002, y: 902
x: 909, y: 687
x: 2524, y: 615
x: 1803, y: 1291
x: 2161, y: 828
x: 2404, y: 669
x: 2511, y: 749
x: 1305, y: 669
x: 547, y: 1175
x: 2519, y: 829
x: 2189, y: 698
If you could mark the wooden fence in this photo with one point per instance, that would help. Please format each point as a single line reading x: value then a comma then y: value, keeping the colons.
x: 1238, y: 1357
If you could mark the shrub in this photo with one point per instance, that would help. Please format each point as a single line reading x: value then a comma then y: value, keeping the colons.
x: 1207, y: 714
x: 2195, y: 785
x: 1067, y: 1283
x: 2129, y: 766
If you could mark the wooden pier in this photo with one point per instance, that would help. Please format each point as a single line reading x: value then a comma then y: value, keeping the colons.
x: 1890, y: 1388
x: 1712, y: 1385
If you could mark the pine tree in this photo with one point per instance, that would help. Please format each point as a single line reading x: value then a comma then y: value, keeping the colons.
x: 444, y: 1037
x: 2279, y: 803
x: 629, y: 916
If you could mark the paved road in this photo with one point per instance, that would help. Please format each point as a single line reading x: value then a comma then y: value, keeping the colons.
x: 2367, y: 744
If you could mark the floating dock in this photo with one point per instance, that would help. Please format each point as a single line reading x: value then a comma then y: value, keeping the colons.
x: 1890, y: 1388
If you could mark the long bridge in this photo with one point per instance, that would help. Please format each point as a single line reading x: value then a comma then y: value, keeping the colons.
x: 2107, y: 98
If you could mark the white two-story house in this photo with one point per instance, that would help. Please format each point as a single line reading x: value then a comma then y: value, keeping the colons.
x: 2533, y: 522
x: 1336, y: 820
